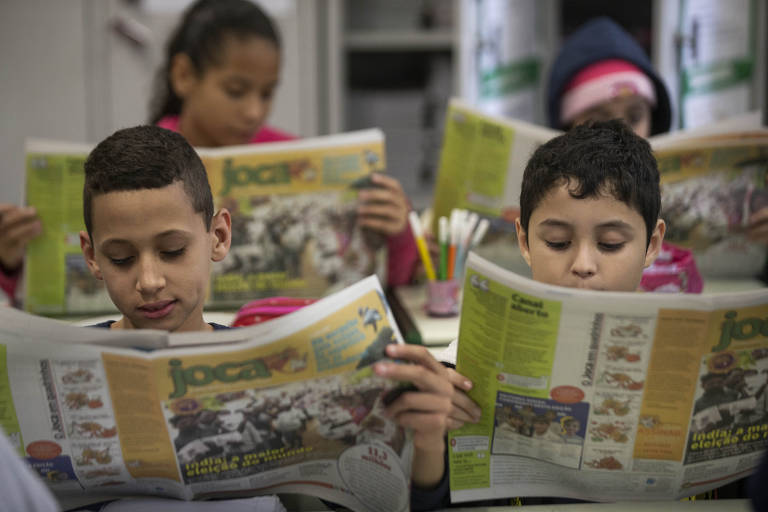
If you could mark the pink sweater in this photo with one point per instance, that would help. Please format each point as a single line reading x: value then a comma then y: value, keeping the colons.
x: 402, y: 254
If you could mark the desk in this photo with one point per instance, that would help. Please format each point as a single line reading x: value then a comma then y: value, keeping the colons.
x: 435, y: 332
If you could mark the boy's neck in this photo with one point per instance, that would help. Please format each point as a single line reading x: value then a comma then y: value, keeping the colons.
x: 201, y: 326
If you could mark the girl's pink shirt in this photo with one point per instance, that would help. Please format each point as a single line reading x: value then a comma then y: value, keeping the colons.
x: 402, y: 254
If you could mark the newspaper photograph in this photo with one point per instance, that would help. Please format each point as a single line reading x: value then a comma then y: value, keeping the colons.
x: 291, y: 405
x: 606, y: 396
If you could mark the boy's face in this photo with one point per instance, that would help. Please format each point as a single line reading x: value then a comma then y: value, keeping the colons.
x: 572, y: 427
x: 594, y: 243
x: 154, y: 254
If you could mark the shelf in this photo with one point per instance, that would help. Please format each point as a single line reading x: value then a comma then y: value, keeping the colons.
x: 411, y: 40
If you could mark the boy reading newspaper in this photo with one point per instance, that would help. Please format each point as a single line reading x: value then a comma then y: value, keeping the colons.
x: 151, y: 236
x: 589, y: 218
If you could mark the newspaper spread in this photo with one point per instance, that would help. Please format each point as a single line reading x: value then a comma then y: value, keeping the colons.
x: 607, y: 396
x: 291, y: 405
x: 294, y: 223
x: 712, y: 180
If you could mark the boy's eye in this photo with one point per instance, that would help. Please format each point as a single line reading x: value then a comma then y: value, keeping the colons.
x: 558, y: 246
x: 611, y: 247
x: 267, y: 95
x: 121, y: 262
x: 173, y: 254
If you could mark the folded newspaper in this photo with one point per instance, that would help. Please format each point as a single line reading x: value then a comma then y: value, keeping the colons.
x: 294, y: 221
x: 607, y: 396
x: 712, y: 180
x: 291, y: 405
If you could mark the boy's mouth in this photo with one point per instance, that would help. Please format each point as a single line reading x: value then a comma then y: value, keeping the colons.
x: 157, y: 309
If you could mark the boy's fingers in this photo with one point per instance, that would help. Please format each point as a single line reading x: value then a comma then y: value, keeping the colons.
x: 459, y: 380
x: 417, y: 354
x: 453, y: 424
x: 420, y: 401
x: 461, y: 415
x: 421, y: 377
x: 462, y: 402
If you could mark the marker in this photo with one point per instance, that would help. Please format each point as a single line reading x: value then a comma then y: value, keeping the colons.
x: 413, y: 219
x: 442, y: 240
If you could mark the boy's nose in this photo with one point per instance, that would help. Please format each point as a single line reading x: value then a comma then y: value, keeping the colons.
x: 150, y: 279
x: 584, y: 264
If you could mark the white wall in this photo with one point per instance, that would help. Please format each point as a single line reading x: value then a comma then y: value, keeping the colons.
x: 66, y: 74
x: 42, y: 81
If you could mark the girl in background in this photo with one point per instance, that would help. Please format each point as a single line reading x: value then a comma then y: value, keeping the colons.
x: 217, y: 86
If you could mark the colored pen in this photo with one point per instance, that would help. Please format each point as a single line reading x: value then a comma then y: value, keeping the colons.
x: 413, y: 219
x: 442, y: 240
x: 452, y: 247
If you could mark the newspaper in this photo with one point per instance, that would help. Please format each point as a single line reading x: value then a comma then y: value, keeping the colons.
x: 294, y: 222
x: 607, y: 396
x: 291, y: 405
x: 712, y: 179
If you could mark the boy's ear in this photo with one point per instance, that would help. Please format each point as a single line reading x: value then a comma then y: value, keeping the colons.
x: 654, y: 247
x: 221, y: 234
x: 182, y: 74
x: 90, y: 258
x: 522, y: 241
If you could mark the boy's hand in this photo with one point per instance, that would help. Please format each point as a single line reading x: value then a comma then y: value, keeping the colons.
x: 383, y: 208
x: 426, y: 410
x: 463, y: 409
x: 757, y: 229
x: 18, y: 226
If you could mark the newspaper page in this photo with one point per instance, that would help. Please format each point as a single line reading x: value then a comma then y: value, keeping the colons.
x: 294, y: 216
x: 710, y: 186
x: 606, y: 396
x: 294, y: 223
x: 290, y: 406
x: 56, y: 277
x: 482, y: 162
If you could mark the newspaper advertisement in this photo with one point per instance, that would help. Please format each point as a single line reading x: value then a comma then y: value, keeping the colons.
x: 710, y: 187
x: 294, y: 223
x: 606, y: 396
x: 291, y: 405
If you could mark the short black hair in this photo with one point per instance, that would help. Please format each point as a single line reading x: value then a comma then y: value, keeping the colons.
x: 592, y: 159
x: 145, y: 157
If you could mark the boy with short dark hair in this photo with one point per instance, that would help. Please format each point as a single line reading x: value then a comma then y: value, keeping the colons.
x: 589, y: 218
x: 151, y: 236
x: 151, y: 231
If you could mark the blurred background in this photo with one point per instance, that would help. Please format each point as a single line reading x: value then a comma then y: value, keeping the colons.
x: 80, y: 69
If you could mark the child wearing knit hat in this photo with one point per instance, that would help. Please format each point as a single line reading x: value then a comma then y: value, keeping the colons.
x: 602, y: 73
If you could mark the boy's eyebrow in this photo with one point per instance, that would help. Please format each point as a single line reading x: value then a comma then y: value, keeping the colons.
x: 164, y: 234
x: 615, y: 224
x: 555, y: 223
